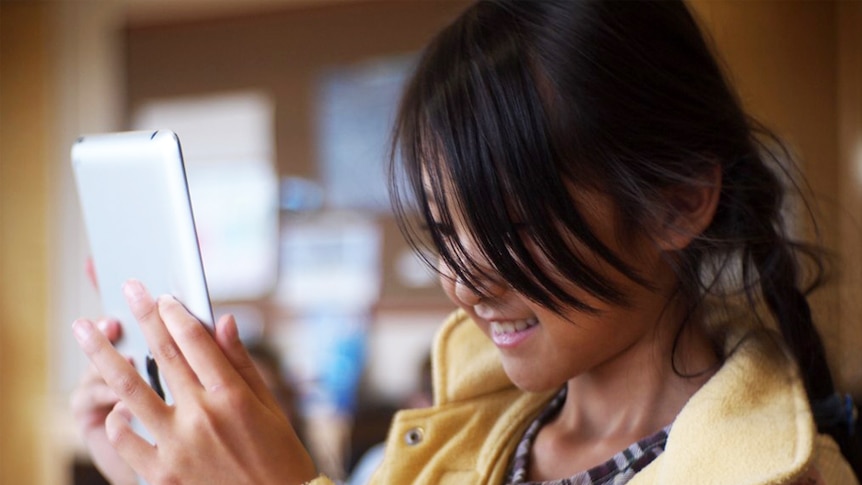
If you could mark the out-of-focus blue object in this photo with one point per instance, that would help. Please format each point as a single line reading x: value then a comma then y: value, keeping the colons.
x: 300, y: 195
x: 337, y: 345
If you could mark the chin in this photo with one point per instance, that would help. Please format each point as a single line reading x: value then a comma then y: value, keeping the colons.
x: 529, y: 381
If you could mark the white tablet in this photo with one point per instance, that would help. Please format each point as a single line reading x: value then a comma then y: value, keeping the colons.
x: 138, y: 216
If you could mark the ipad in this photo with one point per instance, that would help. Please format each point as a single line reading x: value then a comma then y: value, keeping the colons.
x: 138, y: 217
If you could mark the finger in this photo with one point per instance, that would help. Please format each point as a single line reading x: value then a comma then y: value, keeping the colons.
x: 90, y: 406
x: 93, y: 397
x: 119, y: 374
x: 203, y: 355
x: 132, y: 448
x: 110, y: 328
x: 92, y: 378
x: 171, y: 361
x: 227, y: 337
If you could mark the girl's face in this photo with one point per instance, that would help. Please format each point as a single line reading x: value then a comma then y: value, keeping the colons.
x: 541, y: 349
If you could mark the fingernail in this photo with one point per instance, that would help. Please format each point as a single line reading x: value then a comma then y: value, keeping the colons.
x: 82, y: 329
x: 102, y: 325
x: 133, y: 289
x: 230, y: 328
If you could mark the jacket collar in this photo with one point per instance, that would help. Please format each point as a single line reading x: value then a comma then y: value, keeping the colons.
x: 749, y: 424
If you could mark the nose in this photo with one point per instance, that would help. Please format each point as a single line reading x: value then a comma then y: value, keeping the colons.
x: 468, y: 296
x: 465, y: 294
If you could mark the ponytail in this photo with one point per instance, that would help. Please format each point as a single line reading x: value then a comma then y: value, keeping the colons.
x: 778, y: 283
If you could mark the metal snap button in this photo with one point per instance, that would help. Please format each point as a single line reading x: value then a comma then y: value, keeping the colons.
x: 414, y: 436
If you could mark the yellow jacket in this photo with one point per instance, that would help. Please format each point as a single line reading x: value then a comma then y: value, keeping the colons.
x: 749, y: 424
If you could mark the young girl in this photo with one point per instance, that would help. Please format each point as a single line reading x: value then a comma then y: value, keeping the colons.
x: 610, y: 223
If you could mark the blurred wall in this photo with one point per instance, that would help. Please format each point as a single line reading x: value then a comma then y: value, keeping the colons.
x: 25, y: 109
x: 848, y: 336
x: 798, y: 66
x: 57, y: 80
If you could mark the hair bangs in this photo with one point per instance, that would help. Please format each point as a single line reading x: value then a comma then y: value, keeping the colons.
x: 476, y: 149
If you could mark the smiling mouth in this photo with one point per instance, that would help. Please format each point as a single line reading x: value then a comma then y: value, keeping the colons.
x: 513, y: 326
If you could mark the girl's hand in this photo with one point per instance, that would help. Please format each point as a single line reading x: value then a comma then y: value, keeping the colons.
x: 224, y: 426
x: 91, y: 403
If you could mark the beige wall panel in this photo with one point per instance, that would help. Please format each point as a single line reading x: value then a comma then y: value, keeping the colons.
x: 849, y: 17
x: 24, y: 100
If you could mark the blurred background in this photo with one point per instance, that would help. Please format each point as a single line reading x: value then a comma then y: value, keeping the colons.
x: 283, y: 109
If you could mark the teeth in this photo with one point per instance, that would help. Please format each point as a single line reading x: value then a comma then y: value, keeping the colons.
x: 513, y: 326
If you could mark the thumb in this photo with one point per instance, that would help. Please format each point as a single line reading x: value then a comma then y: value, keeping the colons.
x: 110, y: 328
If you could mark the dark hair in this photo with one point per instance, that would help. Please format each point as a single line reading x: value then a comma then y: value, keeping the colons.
x: 516, y: 103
